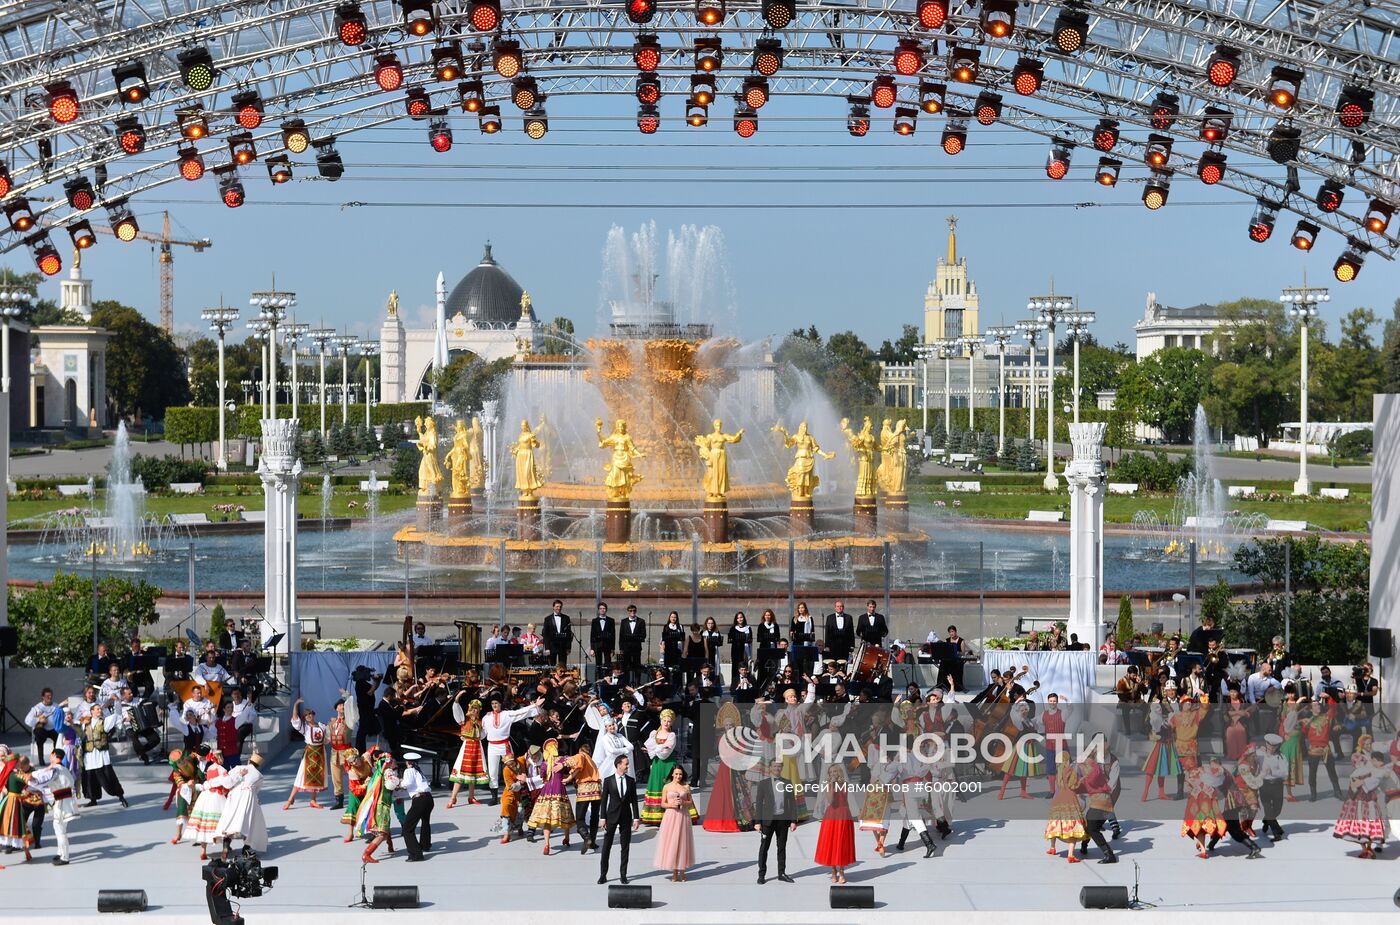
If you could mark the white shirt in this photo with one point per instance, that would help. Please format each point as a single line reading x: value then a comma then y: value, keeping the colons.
x: 1273, y: 766
x: 421, y: 640
x: 40, y: 711
x: 203, y: 673
x: 414, y: 783
x: 1257, y: 686
x: 203, y: 711
x: 491, y: 642
x: 498, y: 729
x: 111, y: 690
x: 244, y: 713
x: 840, y: 620
x: 606, y: 750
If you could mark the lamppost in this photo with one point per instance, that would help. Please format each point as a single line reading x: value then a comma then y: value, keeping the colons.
x: 272, y: 306
x: 13, y: 303
x: 261, y: 330
x: 368, y: 348
x: 1050, y: 308
x: 1031, y: 331
x: 322, y: 338
x: 1076, y: 323
x: 220, y: 320
x: 971, y: 345
x: 291, y: 336
x: 947, y: 349
x: 1001, y: 336
x: 924, y: 352
x: 1302, y: 303
x: 345, y: 343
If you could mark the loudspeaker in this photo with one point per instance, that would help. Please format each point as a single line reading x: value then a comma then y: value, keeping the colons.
x: 1382, y: 643
x: 629, y: 897
x: 1103, y: 897
x: 121, y: 900
x: 853, y: 897
x: 9, y: 641
x: 395, y: 897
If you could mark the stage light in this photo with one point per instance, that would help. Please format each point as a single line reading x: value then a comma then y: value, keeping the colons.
x: 296, y: 138
x: 702, y: 89
x: 1330, y: 195
x: 932, y: 96
x: 963, y: 63
x: 648, y: 88
x: 524, y: 93
x: 709, y: 12
x: 755, y: 92
x: 485, y: 15
x: 1154, y: 194
x: 328, y: 161
x: 998, y: 18
x: 709, y: 55
x: 82, y: 235
x: 78, y: 192
x: 417, y: 103
x: 1215, y: 124
x: 646, y: 52
x: 1159, y: 150
x: 1109, y: 169
x: 933, y: 13
x: 20, y: 215
x: 279, y: 169
x: 418, y: 16
x: 1284, y: 143
x: 648, y: 120
x: 1027, y: 76
x: 193, y: 125
x: 506, y: 58
x: 858, y: 120
x: 987, y: 109
x: 1285, y: 83
x: 45, y: 255
x: 124, y: 226
x: 191, y: 164
x: 6, y: 184
x: 1261, y: 224
x: 1057, y: 162
x: 388, y: 72
x: 63, y: 102
x: 745, y: 122
x: 472, y: 95
x: 1211, y: 167
x: 350, y: 25
x: 1165, y: 108
x: 1223, y: 66
x: 447, y: 62
x: 908, y: 57
x: 954, y: 136
x: 536, y: 124
x: 489, y: 121
x: 779, y: 13
x: 1071, y: 30
x: 197, y: 68
x: 883, y: 91
x: 696, y: 113
x: 1106, y: 134
x: 1305, y: 235
x: 905, y: 120
x: 640, y: 11
x: 248, y: 109
x: 1354, y: 105
x: 1346, y: 267
x: 231, y: 189
x: 1378, y: 215
x: 131, y: 82
x: 767, y: 56
x: 440, y: 135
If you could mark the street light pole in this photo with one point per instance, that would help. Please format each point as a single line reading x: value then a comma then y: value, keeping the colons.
x: 1077, y: 323
x: 945, y: 352
x: 345, y: 342
x: 292, y: 337
x: 1302, y: 303
x: 1030, y: 330
x: 1001, y: 336
x: 272, y: 306
x: 924, y: 351
x: 322, y: 337
x: 368, y: 348
x: 220, y: 320
x: 1049, y: 309
x: 971, y: 344
x: 13, y: 303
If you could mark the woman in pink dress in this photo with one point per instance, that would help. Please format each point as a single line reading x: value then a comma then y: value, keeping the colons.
x: 836, y: 839
x: 675, y: 845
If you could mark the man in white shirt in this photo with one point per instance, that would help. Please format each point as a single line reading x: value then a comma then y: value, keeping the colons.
x: 1273, y: 768
x: 210, y: 670
x: 109, y: 694
x: 420, y: 635
x: 245, y: 716
x: 495, y: 728
x: 417, y: 824
x: 55, y: 782
x: 40, y: 720
x: 1260, y: 683
x: 195, y: 714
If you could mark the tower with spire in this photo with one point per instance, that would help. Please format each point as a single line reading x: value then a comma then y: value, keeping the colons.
x: 951, y: 307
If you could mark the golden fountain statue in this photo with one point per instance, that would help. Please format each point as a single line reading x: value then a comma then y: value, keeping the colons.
x: 713, y: 453
x: 894, y: 459
x: 478, y: 459
x: 458, y: 461
x: 429, y: 471
x: 621, y: 474
x: 802, y: 478
x: 527, y: 474
x: 863, y: 446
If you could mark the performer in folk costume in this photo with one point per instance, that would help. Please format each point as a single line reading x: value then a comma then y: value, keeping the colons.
x: 661, y: 747
x: 534, y: 784
x: 1097, y: 790
x: 1238, y: 806
x: 54, y: 782
x: 376, y: 812
x: 1066, y: 823
x: 470, y: 766
x: 1051, y: 723
x: 357, y: 775
x: 836, y: 839
x: 551, y: 809
x: 340, y: 736
x: 731, y: 801
x: 588, y: 793
x: 311, y: 775
x: 514, y: 797
x: 242, y: 816
x: 14, y: 780
x: 1023, y: 761
x: 185, y: 781
x: 911, y: 800
x: 209, y: 806
x: 1290, y: 727
x: 495, y: 727
x: 1363, y: 816
x: 875, y: 809
x: 1185, y: 725
x: 1205, y: 817
x: 98, y: 772
x: 1162, y: 761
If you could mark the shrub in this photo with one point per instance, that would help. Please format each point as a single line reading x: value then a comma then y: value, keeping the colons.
x: 1155, y: 472
x: 218, y: 621
x: 1125, y: 622
x: 190, y: 425
x: 1354, y: 445
x: 405, y: 470
x: 159, y: 471
x: 54, y: 621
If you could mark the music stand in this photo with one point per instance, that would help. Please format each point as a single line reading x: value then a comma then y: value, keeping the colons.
x: 746, y: 696
x: 508, y: 653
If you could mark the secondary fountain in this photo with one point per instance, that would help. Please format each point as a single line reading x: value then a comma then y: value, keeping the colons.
x: 126, y: 504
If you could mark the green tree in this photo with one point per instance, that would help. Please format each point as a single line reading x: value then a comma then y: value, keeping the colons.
x: 902, y: 350
x: 558, y: 338
x: 474, y: 381
x: 145, y: 370
x: 191, y: 426
x: 802, y: 357
x: 1100, y: 370
x: 1164, y: 389
x: 342, y: 441
x: 313, y: 448
x: 218, y: 621
x: 54, y: 620
x: 405, y: 468
x: 1126, y: 630
x: 241, y: 361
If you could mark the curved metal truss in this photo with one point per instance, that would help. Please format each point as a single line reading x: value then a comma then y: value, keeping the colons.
x: 289, y: 53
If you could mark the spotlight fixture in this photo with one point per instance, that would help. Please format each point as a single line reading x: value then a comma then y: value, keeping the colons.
x: 954, y: 136
x: 709, y: 55
x: 1159, y: 150
x: 447, y: 62
x: 702, y: 89
x: 63, y: 102
x: 131, y: 135
x: 279, y: 169
x: 1027, y: 76
x: 1071, y: 29
x: 193, y: 125
x: 696, y: 114
x: 472, y: 95
x: 640, y: 12
x: 1284, y: 143
x: 418, y: 16
x: 417, y: 103
x: 196, y: 68
x: 998, y: 18
x: 1165, y: 108
x: 506, y: 58
x: 755, y: 92
x: 231, y: 189
x: 646, y: 53
x: 1378, y: 215
x: 1109, y: 169
x: 1305, y: 235
x: 767, y: 56
x: 1106, y: 134
x: 296, y: 138
x: 78, y: 192
x: 648, y: 89
x: 987, y: 109
x: 248, y: 109
x: 489, y: 120
x: 1211, y: 167
x: 1261, y: 224
x: 1154, y: 194
x: 82, y: 235
x: 963, y: 63
x: 745, y: 122
x: 388, y: 72
x: 46, y: 256
x: 536, y: 124
x: 932, y: 97
x: 191, y: 164
x: 440, y: 135
x: 1223, y: 66
x: 1215, y: 124
x: 1354, y: 105
x: 1345, y: 269
x: 124, y: 225
x: 350, y: 25
x: 1330, y: 195
x: 524, y: 93
x: 1057, y: 162
x: 779, y: 13
x: 709, y: 12
x: 933, y: 13
x: 905, y: 120
x: 908, y: 57
x: 130, y: 79
x: 485, y: 15
x: 648, y: 120
x: 858, y: 120
x: 883, y: 91
x: 6, y: 184
x: 1285, y: 83
x: 328, y: 161
x: 20, y: 215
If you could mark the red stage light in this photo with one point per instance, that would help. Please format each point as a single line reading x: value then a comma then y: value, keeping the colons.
x: 1027, y: 76
x: 1330, y: 195
x: 191, y: 164
x: 1223, y: 67
x: 388, y: 73
x: 641, y: 11
x: 1211, y: 167
x: 131, y: 135
x: 63, y: 102
x: 1106, y: 135
x: 883, y: 91
x: 908, y: 57
x: 485, y: 15
x: 933, y: 13
x: 646, y: 53
x: 350, y: 25
x: 755, y: 93
x: 648, y: 120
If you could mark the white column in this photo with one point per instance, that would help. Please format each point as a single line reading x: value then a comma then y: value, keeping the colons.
x: 1076, y: 378
x: 971, y: 387
x: 925, y: 359
x: 1303, y: 486
x: 296, y: 401
x: 1085, y: 474
x: 1031, y: 435
x: 1001, y: 402
x: 947, y: 353
x: 1385, y: 533
x: 490, y: 421
x: 344, y: 386
x: 323, y: 390
x: 5, y: 354
x: 280, y: 471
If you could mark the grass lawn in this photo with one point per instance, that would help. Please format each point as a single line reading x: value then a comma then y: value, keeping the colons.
x: 1313, y: 460
x: 307, y: 505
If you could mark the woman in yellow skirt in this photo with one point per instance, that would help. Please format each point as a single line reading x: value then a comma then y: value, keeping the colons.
x: 1066, y: 823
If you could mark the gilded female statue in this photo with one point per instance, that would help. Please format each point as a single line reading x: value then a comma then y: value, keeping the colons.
x: 622, y: 475
x: 527, y: 474
x: 712, y: 447
x: 894, y: 458
x: 863, y: 445
x: 429, y: 471
x: 477, y: 458
x: 459, y: 460
x: 802, y: 478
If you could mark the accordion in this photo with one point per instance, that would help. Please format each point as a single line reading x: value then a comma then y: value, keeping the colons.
x: 144, y: 716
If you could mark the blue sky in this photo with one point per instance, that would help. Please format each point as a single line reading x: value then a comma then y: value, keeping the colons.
x: 823, y: 254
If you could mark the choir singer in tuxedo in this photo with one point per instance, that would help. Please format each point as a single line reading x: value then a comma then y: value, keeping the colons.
x: 558, y: 636
x: 632, y: 639
x: 840, y: 636
x: 602, y: 637
x: 871, y: 627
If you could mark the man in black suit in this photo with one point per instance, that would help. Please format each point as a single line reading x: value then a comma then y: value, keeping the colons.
x: 602, y: 638
x: 840, y: 636
x: 558, y: 636
x: 776, y: 813
x: 632, y: 637
x: 871, y: 626
x: 618, y: 812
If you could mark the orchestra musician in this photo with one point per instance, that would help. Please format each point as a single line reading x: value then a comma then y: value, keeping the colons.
x: 602, y: 637
x: 840, y: 637
x: 871, y: 627
x: 558, y: 636
x: 632, y: 639
x: 1130, y: 690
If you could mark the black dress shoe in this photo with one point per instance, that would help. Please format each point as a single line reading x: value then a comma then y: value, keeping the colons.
x: 623, y: 880
x: 786, y: 879
x: 90, y: 803
x: 414, y: 859
x: 125, y: 804
x: 59, y: 862
x: 762, y: 878
x: 602, y: 879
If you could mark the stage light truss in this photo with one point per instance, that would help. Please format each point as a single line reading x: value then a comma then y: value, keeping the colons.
x: 290, y: 53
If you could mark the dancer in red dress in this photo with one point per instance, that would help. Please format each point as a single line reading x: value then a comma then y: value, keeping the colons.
x: 836, y: 839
